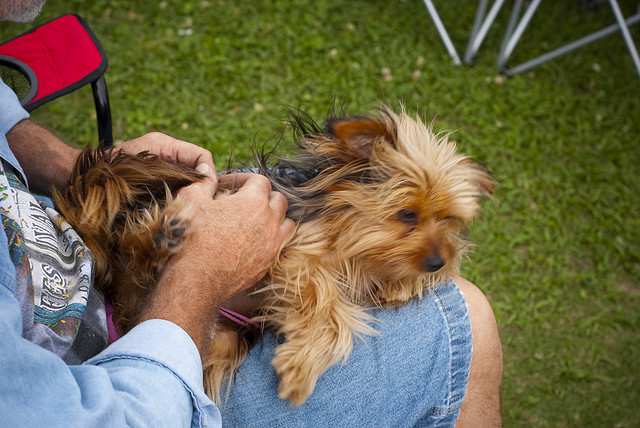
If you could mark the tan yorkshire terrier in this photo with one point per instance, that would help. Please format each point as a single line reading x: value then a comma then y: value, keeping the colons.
x: 381, y: 205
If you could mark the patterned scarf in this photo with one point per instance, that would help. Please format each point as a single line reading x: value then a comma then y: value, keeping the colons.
x: 60, y: 309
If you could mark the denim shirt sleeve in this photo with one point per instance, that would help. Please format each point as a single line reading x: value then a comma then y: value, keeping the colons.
x: 171, y: 352
x: 11, y: 112
x: 150, y: 377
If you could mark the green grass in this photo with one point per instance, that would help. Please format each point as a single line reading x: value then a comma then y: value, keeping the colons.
x: 557, y: 250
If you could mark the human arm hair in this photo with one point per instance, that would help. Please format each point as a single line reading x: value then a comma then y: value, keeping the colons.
x: 47, y: 161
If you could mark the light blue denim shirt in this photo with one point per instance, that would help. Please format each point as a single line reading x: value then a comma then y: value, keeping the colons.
x: 150, y: 377
x: 11, y: 112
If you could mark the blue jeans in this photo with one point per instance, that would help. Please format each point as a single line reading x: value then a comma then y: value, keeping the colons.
x: 413, y: 374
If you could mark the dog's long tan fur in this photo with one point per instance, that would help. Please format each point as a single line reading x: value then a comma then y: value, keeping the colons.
x: 381, y: 204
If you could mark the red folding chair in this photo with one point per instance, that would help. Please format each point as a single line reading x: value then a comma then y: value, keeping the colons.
x: 55, y: 59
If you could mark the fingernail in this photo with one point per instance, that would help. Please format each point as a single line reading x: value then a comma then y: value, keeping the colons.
x: 203, y: 168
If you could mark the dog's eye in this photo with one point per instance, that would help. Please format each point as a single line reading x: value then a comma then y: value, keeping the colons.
x: 408, y: 216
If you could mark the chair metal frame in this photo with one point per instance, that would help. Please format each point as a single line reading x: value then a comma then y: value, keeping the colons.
x: 481, y: 24
x: 513, y: 34
x: 96, y: 78
x: 516, y: 27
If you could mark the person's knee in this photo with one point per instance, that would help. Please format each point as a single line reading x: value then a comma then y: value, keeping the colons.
x: 481, y: 406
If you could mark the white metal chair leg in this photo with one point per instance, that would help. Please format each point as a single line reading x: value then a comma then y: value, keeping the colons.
x: 622, y: 25
x: 625, y: 33
x: 442, y: 31
x: 481, y: 28
x: 512, y: 39
x: 513, y: 21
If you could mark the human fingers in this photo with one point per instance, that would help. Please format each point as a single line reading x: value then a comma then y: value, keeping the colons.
x: 188, y: 154
x: 287, y: 229
x: 206, y: 188
x: 169, y: 149
x: 278, y: 203
x: 256, y: 184
x: 153, y: 142
x: 235, y: 180
x: 259, y: 186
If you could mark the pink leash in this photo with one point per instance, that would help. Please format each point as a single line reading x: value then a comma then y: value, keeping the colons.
x: 111, y: 327
x: 233, y: 316
x: 239, y: 319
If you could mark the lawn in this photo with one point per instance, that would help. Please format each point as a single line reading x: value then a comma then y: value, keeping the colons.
x: 557, y: 249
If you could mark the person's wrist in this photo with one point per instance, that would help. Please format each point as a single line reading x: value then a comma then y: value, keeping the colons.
x: 186, y: 297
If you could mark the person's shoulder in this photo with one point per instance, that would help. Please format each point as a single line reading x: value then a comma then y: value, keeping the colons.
x: 473, y: 295
x: 482, y: 401
x: 11, y: 111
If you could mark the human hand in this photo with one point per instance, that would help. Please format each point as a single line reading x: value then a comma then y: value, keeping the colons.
x: 232, y: 244
x: 245, y: 229
x: 169, y: 149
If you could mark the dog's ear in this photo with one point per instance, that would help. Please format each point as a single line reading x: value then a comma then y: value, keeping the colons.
x: 359, y: 135
x: 481, y: 176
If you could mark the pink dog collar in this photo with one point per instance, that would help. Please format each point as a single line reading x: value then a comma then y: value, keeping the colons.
x: 111, y: 327
x: 239, y: 319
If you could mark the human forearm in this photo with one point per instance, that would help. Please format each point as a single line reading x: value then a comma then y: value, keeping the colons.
x: 46, y: 160
x: 180, y: 298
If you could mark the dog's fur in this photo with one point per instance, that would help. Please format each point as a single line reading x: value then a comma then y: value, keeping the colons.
x: 381, y: 205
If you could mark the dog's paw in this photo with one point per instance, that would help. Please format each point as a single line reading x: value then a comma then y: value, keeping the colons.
x: 298, y: 374
x: 296, y: 384
x: 171, y: 234
x: 173, y: 228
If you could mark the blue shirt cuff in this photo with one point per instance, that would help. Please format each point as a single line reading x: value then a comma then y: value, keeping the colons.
x: 168, y: 345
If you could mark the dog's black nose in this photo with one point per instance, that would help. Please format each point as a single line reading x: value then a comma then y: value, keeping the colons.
x: 432, y: 263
